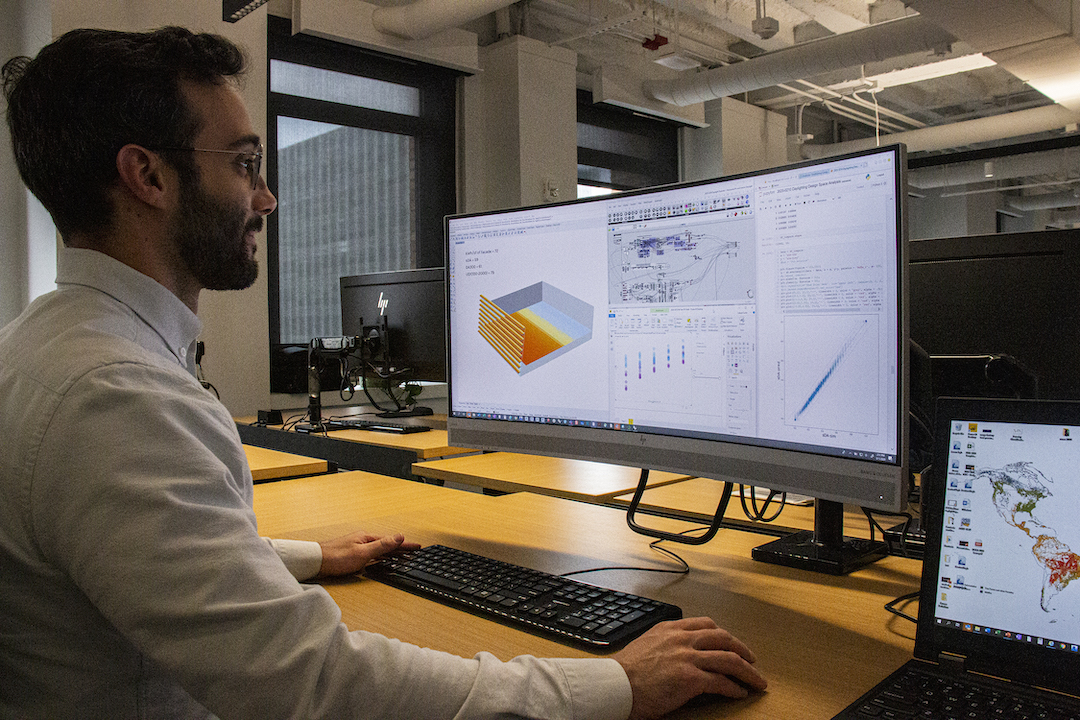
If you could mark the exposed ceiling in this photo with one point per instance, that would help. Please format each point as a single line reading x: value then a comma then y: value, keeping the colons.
x: 840, y: 75
x: 964, y: 83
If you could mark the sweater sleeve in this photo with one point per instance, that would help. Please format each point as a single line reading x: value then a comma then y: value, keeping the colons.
x: 303, y: 559
x: 158, y: 534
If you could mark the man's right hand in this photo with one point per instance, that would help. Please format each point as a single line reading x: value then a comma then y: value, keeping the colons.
x: 676, y: 661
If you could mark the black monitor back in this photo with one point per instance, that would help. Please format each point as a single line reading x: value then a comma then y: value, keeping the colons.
x: 1012, y: 294
x: 413, y: 302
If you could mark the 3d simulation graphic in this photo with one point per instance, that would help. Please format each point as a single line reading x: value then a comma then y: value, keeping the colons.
x: 535, y: 325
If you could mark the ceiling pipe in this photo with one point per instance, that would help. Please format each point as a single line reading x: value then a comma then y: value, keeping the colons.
x: 1063, y: 162
x: 960, y: 134
x: 874, y: 43
x: 1045, y: 202
x: 424, y: 18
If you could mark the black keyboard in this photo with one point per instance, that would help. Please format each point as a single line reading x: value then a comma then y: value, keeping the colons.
x: 376, y: 425
x: 538, y: 602
x: 920, y: 693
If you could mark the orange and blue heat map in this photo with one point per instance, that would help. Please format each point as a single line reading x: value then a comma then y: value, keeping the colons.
x: 541, y: 336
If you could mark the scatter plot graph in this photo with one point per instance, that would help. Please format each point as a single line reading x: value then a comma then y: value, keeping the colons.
x: 533, y: 326
x: 830, y: 373
x: 652, y: 373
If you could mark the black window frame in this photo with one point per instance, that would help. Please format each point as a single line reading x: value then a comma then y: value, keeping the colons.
x: 434, y: 131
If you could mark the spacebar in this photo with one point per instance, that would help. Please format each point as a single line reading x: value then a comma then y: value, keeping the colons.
x: 426, y: 577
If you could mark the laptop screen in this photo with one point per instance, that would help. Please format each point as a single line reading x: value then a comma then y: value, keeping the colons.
x: 1006, y: 535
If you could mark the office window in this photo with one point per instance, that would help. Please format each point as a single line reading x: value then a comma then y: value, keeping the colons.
x: 622, y: 150
x: 361, y: 158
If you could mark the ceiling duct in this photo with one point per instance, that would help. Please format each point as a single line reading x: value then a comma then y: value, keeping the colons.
x: 874, y: 43
x: 1056, y: 163
x: 968, y: 132
x: 1049, y: 201
x: 424, y: 18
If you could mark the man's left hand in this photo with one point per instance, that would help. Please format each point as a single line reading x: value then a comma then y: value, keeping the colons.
x: 351, y: 553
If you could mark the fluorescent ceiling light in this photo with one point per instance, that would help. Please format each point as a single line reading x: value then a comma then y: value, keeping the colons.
x: 942, y: 68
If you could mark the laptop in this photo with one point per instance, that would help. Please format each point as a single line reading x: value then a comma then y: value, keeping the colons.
x: 998, y: 631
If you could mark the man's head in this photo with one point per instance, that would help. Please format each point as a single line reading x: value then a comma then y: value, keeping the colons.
x: 91, y: 92
x: 99, y: 111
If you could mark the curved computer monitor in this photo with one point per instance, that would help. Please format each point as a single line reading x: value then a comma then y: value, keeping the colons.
x: 751, y: 328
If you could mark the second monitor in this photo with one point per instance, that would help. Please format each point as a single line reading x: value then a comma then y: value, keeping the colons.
x: 401, y: 317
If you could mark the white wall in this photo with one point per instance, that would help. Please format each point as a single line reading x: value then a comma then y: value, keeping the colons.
x: 27, y: 236
x: 520, y: 125
x: 701, y: 150
x: 739, y: 138
x: 753, y: 138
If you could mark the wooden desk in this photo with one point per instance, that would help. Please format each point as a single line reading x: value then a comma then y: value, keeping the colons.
x: 385, y: 453
x: 431, y: 444
x: 513, y: 472
x: 267, y: 464
x: 820, y: 640
x: 343, y: 498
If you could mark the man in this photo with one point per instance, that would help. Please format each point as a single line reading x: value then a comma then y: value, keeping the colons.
x: 133, y: 582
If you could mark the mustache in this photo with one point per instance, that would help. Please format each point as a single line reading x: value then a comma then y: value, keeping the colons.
x: 255, y: 224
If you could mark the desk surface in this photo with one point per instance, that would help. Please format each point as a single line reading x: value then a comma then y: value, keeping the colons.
x: 267, y: 464
x: 820, y: 640
x: 430, y: 444
x: 559, y: 477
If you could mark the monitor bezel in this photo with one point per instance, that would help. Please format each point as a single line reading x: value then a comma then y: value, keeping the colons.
x: 881, y: 486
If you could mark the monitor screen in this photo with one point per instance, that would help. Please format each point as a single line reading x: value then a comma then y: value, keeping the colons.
x: 411, y: 303
x: 749, y: 328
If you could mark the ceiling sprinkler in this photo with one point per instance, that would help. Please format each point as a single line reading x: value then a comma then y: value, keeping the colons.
x: 764, y: 26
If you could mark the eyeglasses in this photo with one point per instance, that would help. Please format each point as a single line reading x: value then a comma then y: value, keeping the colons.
x: 251, y: 162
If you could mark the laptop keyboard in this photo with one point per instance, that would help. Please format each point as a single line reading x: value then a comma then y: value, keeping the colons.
x: 919, y: 694
x: 534, y: 601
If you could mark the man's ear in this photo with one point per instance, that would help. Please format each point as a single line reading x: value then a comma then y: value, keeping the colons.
x: 144, y: 174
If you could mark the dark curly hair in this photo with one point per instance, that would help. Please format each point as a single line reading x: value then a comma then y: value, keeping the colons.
x: 91, y: 92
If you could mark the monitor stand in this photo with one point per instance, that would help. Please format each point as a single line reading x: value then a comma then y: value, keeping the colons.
x: 824, y: 550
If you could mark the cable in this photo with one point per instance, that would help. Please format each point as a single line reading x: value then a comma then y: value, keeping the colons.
x: 293, y: 421
x: 891, y: 606
x: 903, y: 548
x: 759, y: 515
x: 345, y: 381
x: 717, y: 521
x: 388, y: 380
x: 655, y: 545
x: 200, y: 350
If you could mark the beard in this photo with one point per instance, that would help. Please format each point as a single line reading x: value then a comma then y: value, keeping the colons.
x: 210, y: 238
